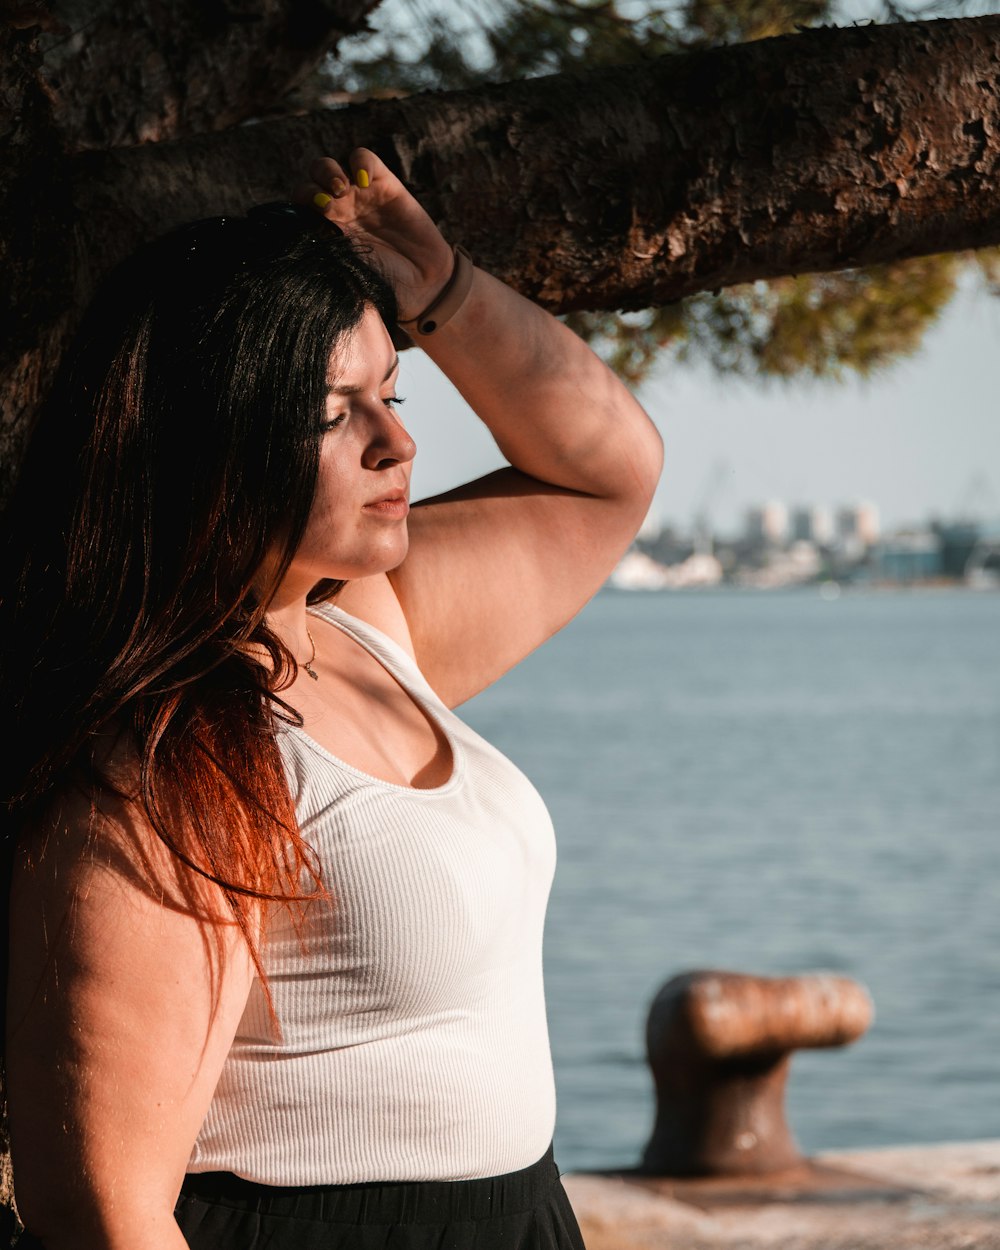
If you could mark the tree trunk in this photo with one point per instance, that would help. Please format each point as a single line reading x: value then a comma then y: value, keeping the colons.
x: 626, y: 188
x: 162, y: 69
x: 98, y: 75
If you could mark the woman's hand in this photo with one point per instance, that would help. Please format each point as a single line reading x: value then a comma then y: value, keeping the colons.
x: 369, y: 203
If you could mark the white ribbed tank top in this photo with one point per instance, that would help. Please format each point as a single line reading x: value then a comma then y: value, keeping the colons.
x: 413, y: 1042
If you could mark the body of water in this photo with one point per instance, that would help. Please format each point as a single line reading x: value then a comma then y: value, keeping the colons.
x: 772, y: 783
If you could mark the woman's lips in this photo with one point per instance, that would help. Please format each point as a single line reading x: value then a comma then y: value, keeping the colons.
x: 393, y: 507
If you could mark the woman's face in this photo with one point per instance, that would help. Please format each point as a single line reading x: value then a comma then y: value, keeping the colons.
x: 357, y: 523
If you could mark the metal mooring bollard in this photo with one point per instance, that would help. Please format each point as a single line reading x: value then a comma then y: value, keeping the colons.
x: 719, y: 1045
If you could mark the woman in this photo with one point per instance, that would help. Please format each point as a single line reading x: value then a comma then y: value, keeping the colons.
x: 275, y: 913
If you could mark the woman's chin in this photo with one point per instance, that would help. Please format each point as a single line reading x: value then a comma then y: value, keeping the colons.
x: 389, y: 557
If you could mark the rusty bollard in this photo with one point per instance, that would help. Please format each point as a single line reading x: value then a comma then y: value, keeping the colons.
x: 719, y: 1046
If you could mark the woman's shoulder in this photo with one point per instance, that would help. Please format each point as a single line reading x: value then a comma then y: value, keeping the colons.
x: 93, y: 829
x: 373, y: 601
x: 93, y: 800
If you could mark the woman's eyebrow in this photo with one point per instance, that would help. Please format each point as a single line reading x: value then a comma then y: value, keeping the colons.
x: 356, y: 390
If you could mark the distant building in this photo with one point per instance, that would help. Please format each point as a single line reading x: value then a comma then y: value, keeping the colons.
x: 982, y: 568
x: 652, y: 526
x: 800, y: 563
x: 668, y: 547
x: 912, y: 557
x: 868, y: 523
x: 767, y: 525
x: 858, y: 525
x: 958, y: 540
x: 812, y: 525
x: 637, y: 571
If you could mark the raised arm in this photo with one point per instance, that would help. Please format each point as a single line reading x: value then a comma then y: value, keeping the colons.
x: 497, y: 566
x: 122, y: 1006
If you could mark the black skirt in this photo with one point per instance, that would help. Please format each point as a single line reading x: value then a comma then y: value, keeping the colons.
x: 525, y: 1210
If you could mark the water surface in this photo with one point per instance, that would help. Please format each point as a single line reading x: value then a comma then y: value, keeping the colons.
x: 772, y: 782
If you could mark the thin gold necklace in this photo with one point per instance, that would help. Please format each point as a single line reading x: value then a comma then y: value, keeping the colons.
x: 308, y: 665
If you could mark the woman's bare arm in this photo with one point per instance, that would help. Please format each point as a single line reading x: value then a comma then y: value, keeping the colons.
x: 497, y: 566
x: 126, y: 987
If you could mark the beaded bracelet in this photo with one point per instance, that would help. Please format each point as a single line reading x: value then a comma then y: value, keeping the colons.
x: 449, y: 299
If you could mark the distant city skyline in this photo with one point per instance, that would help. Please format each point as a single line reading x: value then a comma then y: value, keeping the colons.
x: 920, y: 440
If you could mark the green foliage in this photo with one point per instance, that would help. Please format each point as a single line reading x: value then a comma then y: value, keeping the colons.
x: 578, y: 34
x: 811, y: 325
x: 632, y: 342
x: 741, y: 21
x: 512, y: 39
x: 860, y: 319
x: 422, y: 49
x: 815, y: 325
x: 987, y: 261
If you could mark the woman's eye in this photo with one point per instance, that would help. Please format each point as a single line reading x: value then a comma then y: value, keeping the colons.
x: 331, y: 423
x: 394, y: 399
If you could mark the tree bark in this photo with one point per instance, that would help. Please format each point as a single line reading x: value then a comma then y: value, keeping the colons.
x: 96, y: 75
x: 123, y: 72
x: 627, y: 188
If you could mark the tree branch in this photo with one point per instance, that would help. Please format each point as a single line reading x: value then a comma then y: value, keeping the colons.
x: 616, y: 188
x: 625, y: 188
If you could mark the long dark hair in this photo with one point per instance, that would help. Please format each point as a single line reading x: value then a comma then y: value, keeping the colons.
x: 175, y: 461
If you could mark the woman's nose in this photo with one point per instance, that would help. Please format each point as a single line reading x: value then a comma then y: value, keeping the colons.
x: 390, y: 443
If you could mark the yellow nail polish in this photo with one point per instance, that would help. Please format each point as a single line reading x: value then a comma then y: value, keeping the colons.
x: 321, y: 199
x: 339, y: 186
x: 362, y: 178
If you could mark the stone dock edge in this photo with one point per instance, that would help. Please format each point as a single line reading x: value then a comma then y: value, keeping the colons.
x: 930, y: 1197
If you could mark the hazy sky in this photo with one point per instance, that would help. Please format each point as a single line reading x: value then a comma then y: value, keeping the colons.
x: 922, y: 438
